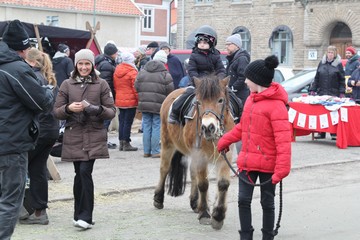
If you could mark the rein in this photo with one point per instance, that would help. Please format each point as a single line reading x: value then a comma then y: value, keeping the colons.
x: 276, y: 230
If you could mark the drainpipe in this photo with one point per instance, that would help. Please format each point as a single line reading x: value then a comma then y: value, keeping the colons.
x: 182, y: 23
x: 169, y: 40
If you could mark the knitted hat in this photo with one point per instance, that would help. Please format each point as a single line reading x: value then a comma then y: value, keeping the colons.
x: 127, y: 57
x: 235, y: 39
x: 110, y: 49
x: 141, y: 50
x: 153, y: 45
x: 85, y: 54
x: 164, y: 45
x: 261, y: 71
x: 15, y: 36
x: 351, y: 49
x: 63, y: 48
x: 161, y: 56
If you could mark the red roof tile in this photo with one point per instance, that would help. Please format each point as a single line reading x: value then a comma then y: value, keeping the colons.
x: 121, y: 7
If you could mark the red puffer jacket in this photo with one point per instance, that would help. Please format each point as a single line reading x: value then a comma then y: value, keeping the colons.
x: 265, y: 133
x: 124, y: 79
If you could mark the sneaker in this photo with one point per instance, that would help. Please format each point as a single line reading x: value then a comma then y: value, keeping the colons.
x: 147, y: 155
x: 74, y: 222
x: 33, y: 219
x: 155, y: 155
x: 111, y: 145
x: 82, y: 224
x: 24, y: 214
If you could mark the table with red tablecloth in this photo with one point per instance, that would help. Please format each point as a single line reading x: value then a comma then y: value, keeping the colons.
x: 348, y: 133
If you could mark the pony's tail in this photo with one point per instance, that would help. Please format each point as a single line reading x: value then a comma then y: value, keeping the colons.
x: 177, y: 175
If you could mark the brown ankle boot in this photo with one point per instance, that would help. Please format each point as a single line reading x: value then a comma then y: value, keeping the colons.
x: 127, y: 147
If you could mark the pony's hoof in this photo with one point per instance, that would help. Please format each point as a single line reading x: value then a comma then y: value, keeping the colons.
x: 216, y: 225
x: 205, y: 221
x: 158, y: 205
x: 204, y: 218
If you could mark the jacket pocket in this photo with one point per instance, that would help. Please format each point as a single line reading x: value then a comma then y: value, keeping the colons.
x: 262, y: 152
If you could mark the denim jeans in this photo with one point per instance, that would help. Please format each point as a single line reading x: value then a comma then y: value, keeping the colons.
x: 267, y: 192
x: 151, y: 132
x: 83, y: 190
x: 126, y: 119
x: 13, y: 168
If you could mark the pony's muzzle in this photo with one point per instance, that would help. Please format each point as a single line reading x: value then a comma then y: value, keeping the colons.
x: 209, y: 128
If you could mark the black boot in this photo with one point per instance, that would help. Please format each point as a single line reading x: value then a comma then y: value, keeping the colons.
x: 127, y: 147
x: 173, y: 118
x: 266, y: 235
x: 121, y: 147
x: 246, y: 235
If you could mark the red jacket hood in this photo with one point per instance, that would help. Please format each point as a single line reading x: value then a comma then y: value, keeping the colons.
x: 275, y: 92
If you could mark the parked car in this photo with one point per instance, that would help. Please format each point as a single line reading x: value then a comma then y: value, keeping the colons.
x: 299, y: 84
x: 283, y: 74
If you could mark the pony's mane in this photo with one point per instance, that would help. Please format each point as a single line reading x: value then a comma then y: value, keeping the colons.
x: 209, y: 87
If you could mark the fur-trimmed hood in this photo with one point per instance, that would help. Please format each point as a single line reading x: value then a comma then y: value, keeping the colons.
x: 334, y: 63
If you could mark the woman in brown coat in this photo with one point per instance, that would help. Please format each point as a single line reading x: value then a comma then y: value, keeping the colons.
x: 84, y: 101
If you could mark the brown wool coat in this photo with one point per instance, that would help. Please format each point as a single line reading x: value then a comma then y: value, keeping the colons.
x: 85, y: 137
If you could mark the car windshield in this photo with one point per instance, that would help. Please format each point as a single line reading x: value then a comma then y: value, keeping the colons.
x: 298, y: 80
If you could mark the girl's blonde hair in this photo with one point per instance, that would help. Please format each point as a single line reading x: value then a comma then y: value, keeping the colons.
x: 332, y: 48
x: 43, y: 62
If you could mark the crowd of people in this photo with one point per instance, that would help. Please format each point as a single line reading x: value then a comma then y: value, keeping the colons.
x: 84, y: 94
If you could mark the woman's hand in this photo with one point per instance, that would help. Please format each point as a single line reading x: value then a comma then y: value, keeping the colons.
x: 76, y: 107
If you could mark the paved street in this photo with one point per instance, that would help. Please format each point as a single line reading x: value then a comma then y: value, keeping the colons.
x: 320, y: 200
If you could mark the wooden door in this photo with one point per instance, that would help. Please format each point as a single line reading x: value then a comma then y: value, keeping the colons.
x: 341, y: 44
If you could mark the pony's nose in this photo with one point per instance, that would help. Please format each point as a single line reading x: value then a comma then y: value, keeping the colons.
x: 209, y: 129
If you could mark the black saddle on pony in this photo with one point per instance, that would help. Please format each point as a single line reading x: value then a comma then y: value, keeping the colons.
x: 186, y: 109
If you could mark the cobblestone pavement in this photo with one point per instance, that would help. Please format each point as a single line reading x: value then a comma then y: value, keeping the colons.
x: 320, y: 200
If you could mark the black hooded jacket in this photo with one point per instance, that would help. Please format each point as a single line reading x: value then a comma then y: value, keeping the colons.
x: 106, y: 66
x: 22, y: 99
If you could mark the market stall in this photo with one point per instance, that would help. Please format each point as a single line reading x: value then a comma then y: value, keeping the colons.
x: 47, y: 38
x: 339, y: 117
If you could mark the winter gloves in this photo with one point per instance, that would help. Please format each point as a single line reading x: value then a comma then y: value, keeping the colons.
x: 93, y: 110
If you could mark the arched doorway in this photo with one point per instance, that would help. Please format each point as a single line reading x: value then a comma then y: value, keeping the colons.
x: 341, y: 38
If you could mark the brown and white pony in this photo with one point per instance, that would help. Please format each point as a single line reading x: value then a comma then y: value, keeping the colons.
x: 197, y: 139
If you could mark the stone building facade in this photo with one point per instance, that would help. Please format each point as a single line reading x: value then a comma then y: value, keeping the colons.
x: 297, y: 31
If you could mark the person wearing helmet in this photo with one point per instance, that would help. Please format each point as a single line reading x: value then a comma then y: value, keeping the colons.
x: 204, y: 60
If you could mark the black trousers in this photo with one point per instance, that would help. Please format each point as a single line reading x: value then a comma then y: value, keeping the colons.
x: 267, y: 201
x: 83, y: 191
x: 37, y: 170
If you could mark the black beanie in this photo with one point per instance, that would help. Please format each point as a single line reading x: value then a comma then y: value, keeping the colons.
x: 262, y: 71
x: 110, y: 49
x: 63, y: 48
x: 153, y: 45
x: 16, y: 37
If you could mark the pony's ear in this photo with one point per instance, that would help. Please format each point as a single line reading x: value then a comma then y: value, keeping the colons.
x: 197, y: 82
x: 224, y: 82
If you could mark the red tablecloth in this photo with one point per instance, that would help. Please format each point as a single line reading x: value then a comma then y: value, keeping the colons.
x: 348, y: 133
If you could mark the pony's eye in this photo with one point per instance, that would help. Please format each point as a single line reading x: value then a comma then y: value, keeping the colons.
x: 221, y: 100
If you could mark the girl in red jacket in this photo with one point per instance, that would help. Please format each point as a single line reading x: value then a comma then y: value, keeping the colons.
x: 266, y: 144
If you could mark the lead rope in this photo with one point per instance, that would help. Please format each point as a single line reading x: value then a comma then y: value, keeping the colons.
x: 276, y: 230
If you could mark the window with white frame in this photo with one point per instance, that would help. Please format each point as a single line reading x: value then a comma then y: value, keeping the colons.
x: 148, y: 20
x: 245, y: 37
x: 52, y: 21
x: 280, y: 43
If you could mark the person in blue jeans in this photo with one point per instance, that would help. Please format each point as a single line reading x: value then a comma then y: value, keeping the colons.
x: 153, y: 83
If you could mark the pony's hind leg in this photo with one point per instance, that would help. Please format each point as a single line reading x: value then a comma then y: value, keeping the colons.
x: 218, y: 214
x: 166, y: 156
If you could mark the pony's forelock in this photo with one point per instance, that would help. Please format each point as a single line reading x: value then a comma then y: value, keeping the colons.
x: 209, y: 87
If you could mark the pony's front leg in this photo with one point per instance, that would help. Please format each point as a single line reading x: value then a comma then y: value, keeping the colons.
x: 203, y: 186
x: 218, y: 214
x: 194, y: 191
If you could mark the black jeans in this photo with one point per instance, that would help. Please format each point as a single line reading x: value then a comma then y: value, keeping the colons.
x: 267, y: 200
x: 37, y: 170
x: 83, y: 191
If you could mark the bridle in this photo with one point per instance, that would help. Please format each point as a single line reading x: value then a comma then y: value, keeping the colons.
x: 220, y: 117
